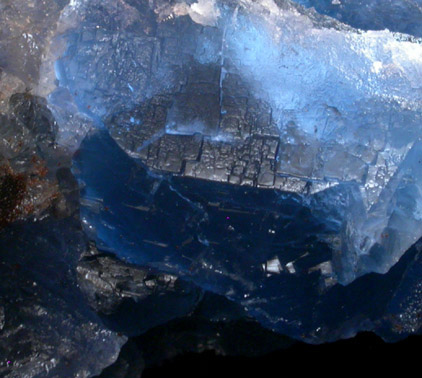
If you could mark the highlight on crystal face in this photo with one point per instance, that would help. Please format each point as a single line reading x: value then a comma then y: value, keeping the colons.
x: 170, y: 165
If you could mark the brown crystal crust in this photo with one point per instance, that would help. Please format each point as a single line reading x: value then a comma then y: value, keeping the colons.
x: 12, y: 193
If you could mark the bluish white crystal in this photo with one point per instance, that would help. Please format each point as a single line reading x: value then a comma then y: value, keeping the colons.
x: 347, y: 104
x: 350, y: 103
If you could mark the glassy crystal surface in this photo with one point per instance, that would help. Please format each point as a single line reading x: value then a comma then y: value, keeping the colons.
x: 276, y: 104
x: 260, y: 157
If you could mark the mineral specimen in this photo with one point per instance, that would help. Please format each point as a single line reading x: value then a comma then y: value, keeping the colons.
x: 252, y: 99
x: 211, y: 166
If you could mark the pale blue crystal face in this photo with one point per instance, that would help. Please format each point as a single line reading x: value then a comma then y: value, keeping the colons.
x: 345, y: 108
x: 354, y: 100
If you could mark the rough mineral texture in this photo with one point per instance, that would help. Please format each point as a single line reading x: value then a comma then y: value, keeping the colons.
x: 127, y: 293
x: 182, y: 176
x: 235, y: 93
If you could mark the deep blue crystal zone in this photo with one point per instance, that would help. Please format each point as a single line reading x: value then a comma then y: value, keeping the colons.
x: 399, y: 16
x: 172, y: 223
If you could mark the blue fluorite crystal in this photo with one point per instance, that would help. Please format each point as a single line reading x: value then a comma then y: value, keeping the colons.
x: 264, y: 151
x: 213, y: 163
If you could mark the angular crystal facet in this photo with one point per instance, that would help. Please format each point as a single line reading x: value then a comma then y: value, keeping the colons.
x: 170, y: 164
x: 269, y: 95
